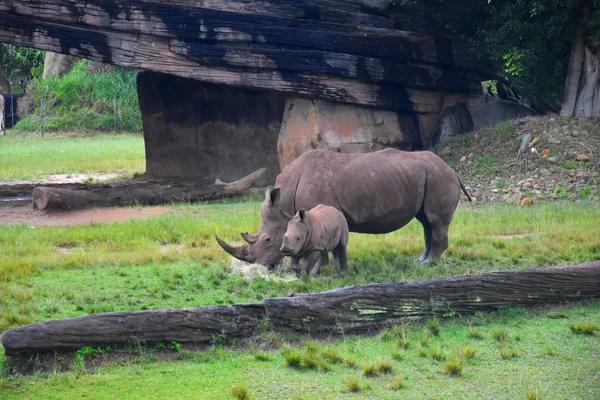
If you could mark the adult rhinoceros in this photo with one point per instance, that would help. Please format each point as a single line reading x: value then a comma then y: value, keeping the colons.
x: 377, y: 192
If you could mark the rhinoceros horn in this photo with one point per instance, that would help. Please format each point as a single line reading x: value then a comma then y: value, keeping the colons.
x: 248, y: 238
x: 241, y: 253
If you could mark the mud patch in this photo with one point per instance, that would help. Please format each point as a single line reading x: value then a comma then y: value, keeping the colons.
x: 283, y: 272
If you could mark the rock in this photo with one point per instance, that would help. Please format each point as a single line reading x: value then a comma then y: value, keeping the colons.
x: 526, y: 201
x: 553, y: 159
x: 484, y: 140
x: 495, y: 190
x: 582, y: 157
x: 571, y: 174
x: 527, y: 185
x: 445, y: 151
x: 552, y: 120
x: 471, y: 156
x: 524, y: 142
x: 463, y: 159
x: 544, y: 172
x: 538, y: 192
x: 552, y: 140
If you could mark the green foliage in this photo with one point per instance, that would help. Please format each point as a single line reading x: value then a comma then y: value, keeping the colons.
x: 21, y: 63
x: 83, y: 101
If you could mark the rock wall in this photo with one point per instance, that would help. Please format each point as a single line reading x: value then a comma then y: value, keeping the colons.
x: 198, y: 130
x: 319, y: 124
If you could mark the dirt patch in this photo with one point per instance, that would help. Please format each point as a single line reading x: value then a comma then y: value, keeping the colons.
x: 65, y: 178
x: 24, y: 214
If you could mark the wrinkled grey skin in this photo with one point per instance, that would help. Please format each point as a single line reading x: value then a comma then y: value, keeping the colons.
x: 311, y: 235
x: 377, y: 192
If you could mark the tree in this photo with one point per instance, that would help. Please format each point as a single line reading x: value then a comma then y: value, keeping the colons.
x: 21, y: 63
x: 549, y: 48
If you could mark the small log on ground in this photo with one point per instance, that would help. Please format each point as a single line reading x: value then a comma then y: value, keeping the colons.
x: 360, y: 308
x: 350, y: 309
x: 46, y: 198
x: 188, y: 325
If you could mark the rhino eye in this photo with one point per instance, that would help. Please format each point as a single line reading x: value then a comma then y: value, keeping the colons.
x: 268, y: 239
x: 297, y: 239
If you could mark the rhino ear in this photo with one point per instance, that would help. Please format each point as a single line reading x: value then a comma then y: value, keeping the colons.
x: 301, y: 213
x: 273, y: 195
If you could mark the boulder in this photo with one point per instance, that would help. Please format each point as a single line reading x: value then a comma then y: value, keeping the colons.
x: 320, y: 124
x: 57, y: 65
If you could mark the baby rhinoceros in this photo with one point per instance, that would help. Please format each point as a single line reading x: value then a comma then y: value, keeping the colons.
x: 312, y: 234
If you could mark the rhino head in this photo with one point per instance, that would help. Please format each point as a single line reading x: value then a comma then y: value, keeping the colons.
x: 263, y: 247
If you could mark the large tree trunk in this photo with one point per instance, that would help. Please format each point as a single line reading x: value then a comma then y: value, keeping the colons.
x: 350, y: 309
x: 589, y: 86
x: 46, y: 198
x: 573, y: 74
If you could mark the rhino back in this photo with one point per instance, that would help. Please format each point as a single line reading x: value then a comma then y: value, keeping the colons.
x: 377, y: 192
x: 329, y: 227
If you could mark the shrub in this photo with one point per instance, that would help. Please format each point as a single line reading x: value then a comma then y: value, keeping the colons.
x: 433, y: 326
x: 583, y: 328
x: 398, y: 384
x: 453, y: 367
x: 467, y: 352
x: 240, y: 392
x: 83, y: 101
x: 354, y: 384
x: 500, y: 334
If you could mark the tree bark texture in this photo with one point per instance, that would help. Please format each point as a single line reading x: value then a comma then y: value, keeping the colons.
x: 345, y: 310
x: 46, y: 198
x: 589, y: 86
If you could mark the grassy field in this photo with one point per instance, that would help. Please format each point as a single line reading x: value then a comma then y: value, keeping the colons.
x: 173, y: 261
x: 30, y: 156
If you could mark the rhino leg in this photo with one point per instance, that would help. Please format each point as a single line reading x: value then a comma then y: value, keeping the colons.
x: 427, y: 233
x: 341, y: 255
x: 439, y: 242
x: 324, y: 260
x: 312, y: 261
x: 296, y: 265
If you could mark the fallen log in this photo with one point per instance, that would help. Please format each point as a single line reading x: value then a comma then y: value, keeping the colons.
x: 351, y: 309
x: 188, y: 325
x: 360, y: 308
x: 49, y: 198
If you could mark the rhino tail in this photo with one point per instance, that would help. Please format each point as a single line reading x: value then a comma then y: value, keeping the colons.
x: 464, y: 189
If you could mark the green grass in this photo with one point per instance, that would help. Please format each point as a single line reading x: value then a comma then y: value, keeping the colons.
x: 174, y: 261
x: 29, y: 156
